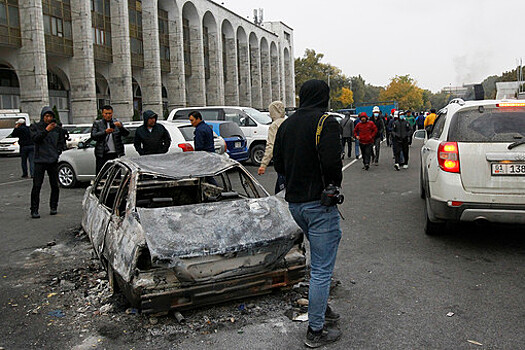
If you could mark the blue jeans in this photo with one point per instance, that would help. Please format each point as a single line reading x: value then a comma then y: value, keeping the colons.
x: 357, y: 148
x: 26, y: 153
x: 321, y: 226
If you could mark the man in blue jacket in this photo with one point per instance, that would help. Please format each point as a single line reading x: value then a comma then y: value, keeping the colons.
x: 203, y: 139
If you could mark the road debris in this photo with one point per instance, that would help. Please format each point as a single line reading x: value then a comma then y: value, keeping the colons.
x: 302, y: 302
x: 56, y: 313
x: 474, y: 342
x: 301, y: 318
x: 450, y: 314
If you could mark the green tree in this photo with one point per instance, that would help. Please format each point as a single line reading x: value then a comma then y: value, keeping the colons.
x: 405, y: 91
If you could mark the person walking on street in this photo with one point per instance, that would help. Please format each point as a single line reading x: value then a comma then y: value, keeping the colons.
x: 277, y: 113
x: 27, y: 146
x: 152, y: 137
x: 365, y: 131
x: 429, y: 120
x: 50, y: 140
x: 108, y: 133
x: 311, y: 162
x: 401, y: 134
x: 348, y: 134
x: 356, y: 141
x: 380, y: 125
x: 420, y: 121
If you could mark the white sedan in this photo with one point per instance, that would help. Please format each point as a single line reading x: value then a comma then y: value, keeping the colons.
x: 78, y: 164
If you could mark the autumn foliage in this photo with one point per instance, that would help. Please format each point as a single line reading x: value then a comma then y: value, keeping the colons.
x: 405, y: 91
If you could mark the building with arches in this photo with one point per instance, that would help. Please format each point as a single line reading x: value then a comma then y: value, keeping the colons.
x: 78, y: 55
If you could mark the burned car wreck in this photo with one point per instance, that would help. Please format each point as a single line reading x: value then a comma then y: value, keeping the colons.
x: 189, y: 229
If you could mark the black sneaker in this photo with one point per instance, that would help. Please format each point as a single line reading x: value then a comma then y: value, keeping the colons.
x: 323, y: 337
x: 35, y: 215
x: 330, y: 316
x: 53, y: 211
x: 396, y: 166
x: 367, y: 167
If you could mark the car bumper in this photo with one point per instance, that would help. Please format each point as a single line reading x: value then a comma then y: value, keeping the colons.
x: 239, y: 156
x: 9, y: 151
x: 159, y: 291
x: 470, y: 212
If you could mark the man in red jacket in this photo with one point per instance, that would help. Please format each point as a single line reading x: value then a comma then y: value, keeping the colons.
x: 365, y: 132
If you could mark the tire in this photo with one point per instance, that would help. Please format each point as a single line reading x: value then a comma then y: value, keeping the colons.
x: 66, y: 176
x: 433, y: 228
x: 257, y: 154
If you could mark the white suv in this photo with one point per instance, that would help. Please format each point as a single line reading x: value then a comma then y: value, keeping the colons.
x: 473, y: 164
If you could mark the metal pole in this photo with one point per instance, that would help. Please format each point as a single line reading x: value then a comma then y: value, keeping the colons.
x: 329, y: 99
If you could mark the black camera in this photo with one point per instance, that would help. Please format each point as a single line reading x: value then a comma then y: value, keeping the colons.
x: 332, y: 196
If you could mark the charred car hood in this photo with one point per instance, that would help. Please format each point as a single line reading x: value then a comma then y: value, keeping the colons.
x: 175, y: 233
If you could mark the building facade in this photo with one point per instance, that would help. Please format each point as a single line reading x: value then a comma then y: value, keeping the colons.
x: 78, y: 55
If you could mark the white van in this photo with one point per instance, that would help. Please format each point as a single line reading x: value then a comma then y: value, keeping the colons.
x: 253, y: 124
x: 8, y: 118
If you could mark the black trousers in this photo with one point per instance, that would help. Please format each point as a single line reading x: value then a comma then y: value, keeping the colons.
x: 377, y: 149
x: 102, y: 160
x: 366, y: 152
x: 401, y: 146
x: 347, y: 141
x: 38, y: 180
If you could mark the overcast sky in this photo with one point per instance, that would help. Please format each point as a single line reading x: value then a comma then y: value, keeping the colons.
x: 439, y: 42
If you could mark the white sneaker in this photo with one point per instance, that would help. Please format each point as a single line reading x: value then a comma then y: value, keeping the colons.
x: 396, y: 166
x: 405, y: 166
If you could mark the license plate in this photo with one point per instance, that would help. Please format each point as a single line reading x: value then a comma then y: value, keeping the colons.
x: 238, y: 145
x: 516, y: 169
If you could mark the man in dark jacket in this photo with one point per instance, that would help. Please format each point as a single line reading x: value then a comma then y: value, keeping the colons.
x: 151, y: 138
x: 401, y: 132
x: 308, y: 170
x: 27, y: 147
x: 348, y: 134
x: 108, y: 133
x: 50, y: 140
x: 380, y: 125
x: 203, y: 139
x: 365, y: 132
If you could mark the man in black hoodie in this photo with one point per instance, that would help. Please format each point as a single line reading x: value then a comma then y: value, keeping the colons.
x: 50, y: 140
x: 308, y: 169
x: 151, y: 138
x: 108, y: 133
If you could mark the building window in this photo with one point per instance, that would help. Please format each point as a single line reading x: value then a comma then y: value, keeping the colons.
x: 206, y: 45
x: 287, y: 37
x: 164, y: 40
x: 135, y: 32
x: 101, y: 23
x: 187, y: 45
x: 9, y: 14
x: 224, y: 58
x: 57, y: 26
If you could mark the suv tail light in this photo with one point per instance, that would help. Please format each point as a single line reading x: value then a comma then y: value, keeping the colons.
x: 448, y: 157
x: 186, y: 147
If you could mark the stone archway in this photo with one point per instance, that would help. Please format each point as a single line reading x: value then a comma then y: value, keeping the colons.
x: 9, y: 88
x: 59, y: 93
x: 276, y: 86
x: 193, y: 55
x: 266, y: 73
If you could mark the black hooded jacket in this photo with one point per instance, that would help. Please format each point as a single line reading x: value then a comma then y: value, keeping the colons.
x: 156, y: 141
x: 295, y: 154
x: 48, y: 144
x: 98, y: 133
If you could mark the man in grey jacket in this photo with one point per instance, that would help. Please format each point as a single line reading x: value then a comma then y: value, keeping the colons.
x: 348, y: 132
x: 108, y: 133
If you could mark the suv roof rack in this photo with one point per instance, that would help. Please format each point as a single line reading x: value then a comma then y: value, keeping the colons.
x: 459, y: 101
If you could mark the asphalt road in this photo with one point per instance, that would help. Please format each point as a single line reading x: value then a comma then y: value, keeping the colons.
x: 397, y: 285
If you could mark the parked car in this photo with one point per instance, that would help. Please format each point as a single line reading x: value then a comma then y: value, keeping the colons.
x: 78, y: 164
x: 253, y: 124
x: 235, y: 140
x: 8, y: 144
x: 169, y: 239
x: 473, y: 164
x: 77, y: 133
x: 338, y: 116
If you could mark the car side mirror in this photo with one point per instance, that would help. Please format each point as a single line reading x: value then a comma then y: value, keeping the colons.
x: 81, y: 145
x: 420, y: 135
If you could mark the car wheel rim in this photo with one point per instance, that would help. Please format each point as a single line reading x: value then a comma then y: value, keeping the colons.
x: 258, y: 156
x: 65, y: 176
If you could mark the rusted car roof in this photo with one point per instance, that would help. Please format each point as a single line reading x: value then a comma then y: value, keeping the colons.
x: 183, y: 165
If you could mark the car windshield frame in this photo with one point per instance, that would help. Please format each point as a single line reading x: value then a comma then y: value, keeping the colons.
x: 259, y: 117
x: 480, y: 125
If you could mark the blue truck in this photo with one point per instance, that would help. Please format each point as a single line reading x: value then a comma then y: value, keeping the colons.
x: 385, y: 107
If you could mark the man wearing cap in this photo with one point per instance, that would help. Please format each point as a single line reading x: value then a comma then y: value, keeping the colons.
x: 365, y: 131
x: 27, y: 147
x: 380, y: 125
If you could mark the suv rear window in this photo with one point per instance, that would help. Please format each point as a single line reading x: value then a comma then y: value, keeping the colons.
x: 490, y: 125
x: 230, y: 130
x: 187, y: 132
